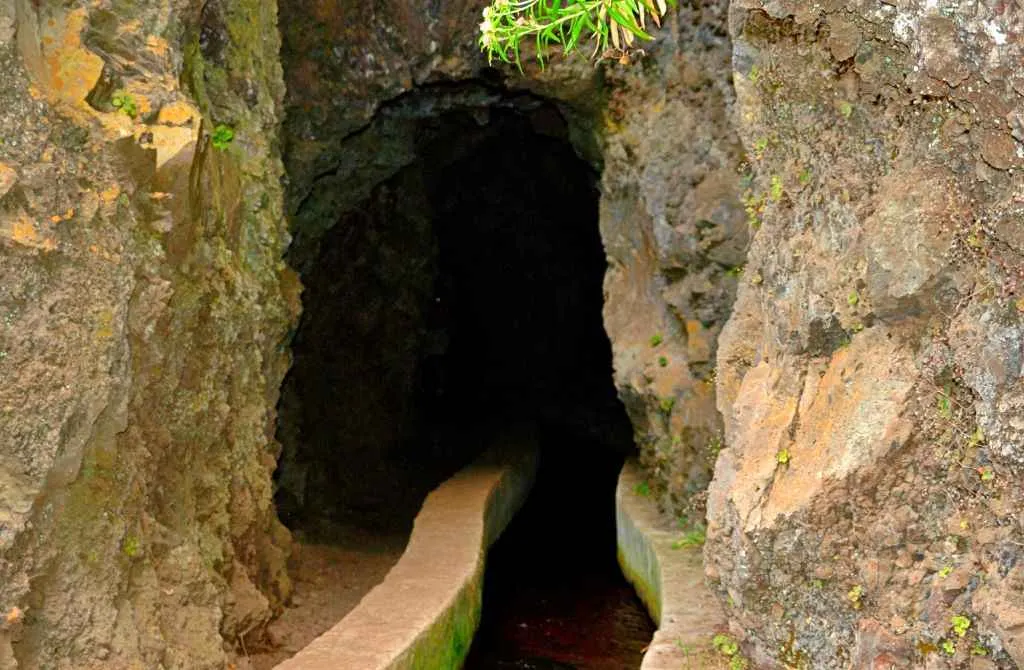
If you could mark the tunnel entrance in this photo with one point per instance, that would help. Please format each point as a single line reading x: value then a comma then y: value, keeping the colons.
x: 465, y: 291
x: 462, y: 294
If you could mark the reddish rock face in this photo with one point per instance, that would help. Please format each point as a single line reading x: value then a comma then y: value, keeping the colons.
x: 878, y: 649
x: 867, y: 490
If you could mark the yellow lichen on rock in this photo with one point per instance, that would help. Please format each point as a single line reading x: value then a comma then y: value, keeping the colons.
x: 62, y: 68
x: 8, y: 177
x: 65, y: 71
x: 22, y: 231
x: 178, y: 113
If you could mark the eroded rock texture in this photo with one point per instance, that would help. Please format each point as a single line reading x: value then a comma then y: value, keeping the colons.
x: 870, y: 376
x: 675, y: 234
x: 144, y: 310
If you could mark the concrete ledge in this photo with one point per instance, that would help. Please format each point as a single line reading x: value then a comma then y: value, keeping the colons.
x: 669, y: 581
x: 425, y: 612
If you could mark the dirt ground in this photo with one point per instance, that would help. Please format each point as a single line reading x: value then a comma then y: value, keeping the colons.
x: 330, y: 580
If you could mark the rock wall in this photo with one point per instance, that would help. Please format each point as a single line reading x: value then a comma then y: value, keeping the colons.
x: 868, y: 380
x: 870, y: 376
x: 675, y: 234
x: 144, y: 307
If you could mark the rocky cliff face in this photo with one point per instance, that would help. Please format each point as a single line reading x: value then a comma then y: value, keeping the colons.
x: 847, y: 173
x: 869, y: 377
x: 675, y: 234
x: 145, y: 307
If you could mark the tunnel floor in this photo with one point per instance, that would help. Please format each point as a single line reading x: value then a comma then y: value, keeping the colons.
x: 554, y: 596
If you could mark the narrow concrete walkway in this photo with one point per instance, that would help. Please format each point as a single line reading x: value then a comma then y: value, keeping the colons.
x: 425, y: 612
x: 669, y: 581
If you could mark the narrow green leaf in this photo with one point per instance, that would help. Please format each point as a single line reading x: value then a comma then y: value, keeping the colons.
x: 574, y: 35
x: 629, y: 24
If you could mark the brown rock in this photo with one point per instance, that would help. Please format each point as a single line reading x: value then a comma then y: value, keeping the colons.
x: 844, y: 38
x: 997, y: 147
x: 941, y: 50
x: 1002, y: 609
x: 277, y: 636
x: 877, y: 649
x: 908, y: 234
x: 8, y: 177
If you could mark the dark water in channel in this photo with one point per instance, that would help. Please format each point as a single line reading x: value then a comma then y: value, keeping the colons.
x: 554, y: 597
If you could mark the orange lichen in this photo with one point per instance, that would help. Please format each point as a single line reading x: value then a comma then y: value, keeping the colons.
x: 23, y: 231
x: 69, y: 71
x: 157, y: 45
x: 13, y: 616
x: 177, y: 114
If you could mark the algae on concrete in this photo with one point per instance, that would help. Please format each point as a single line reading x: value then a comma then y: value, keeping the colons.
x: 669, y: 579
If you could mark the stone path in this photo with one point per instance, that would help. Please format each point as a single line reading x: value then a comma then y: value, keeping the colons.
x: 669, y: 581
x: 423, y: 615
x: 329, y: 581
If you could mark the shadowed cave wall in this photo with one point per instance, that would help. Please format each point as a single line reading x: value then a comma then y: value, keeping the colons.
x: 463, y: 293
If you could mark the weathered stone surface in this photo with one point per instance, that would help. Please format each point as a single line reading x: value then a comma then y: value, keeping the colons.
x: 790, y: 439
x: 143, y: 305
x: 869, y: 377
x: 343, y: 58
x: 675, y: 235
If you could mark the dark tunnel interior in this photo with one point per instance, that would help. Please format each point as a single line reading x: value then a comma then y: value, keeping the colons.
x: 465, y: 292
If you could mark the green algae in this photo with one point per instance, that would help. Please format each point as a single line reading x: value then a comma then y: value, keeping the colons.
x: 445, y: 644
x: 639, y: 564
x: 647, y: 586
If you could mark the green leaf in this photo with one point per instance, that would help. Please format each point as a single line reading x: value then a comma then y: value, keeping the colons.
x: 222, y: 136
x: 627, y: 23
x: 574, y: 35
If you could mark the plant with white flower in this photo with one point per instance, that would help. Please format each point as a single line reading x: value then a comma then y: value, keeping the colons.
x: 613, y: 25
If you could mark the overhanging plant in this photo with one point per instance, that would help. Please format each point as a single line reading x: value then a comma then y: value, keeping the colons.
x: 612, y: 25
